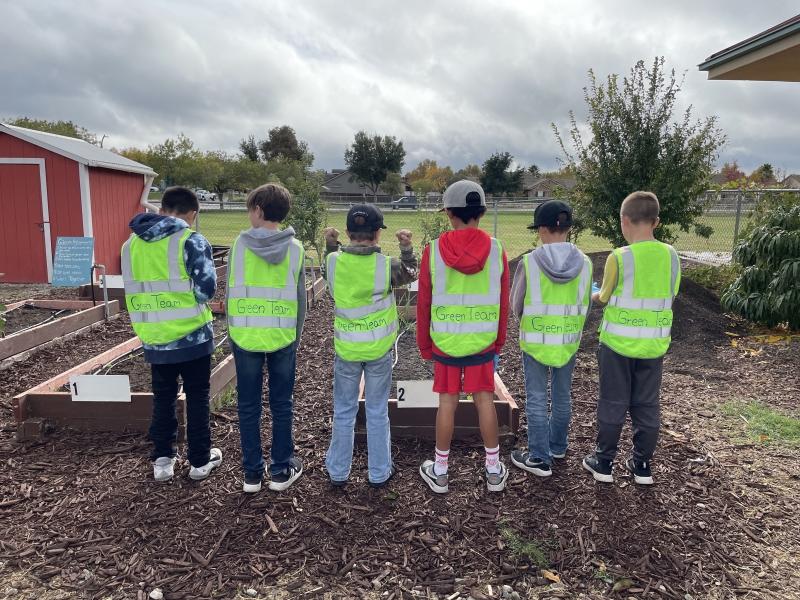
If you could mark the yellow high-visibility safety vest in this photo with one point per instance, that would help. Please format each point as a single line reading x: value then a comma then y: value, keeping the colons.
x: 465, y: 309
x: 261, y: 298
x: 365, y: 315
x: 158, y: 291
x: 638, y: 319
x: 554, y: 314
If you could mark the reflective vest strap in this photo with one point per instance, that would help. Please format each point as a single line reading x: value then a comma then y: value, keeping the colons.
x: 439, y: 270
x: 629, y: 269
x: 363, y: 311
x: 550, y: 339
x: 257, y: 321
x: 676, y: 267
x: 245, y: 291
x: 175, y: 256
x: 636, y: 332
x: 331, y: 270
x: 127, y: 266
x: 161, y: 316
x: 535, y: 283
x: 465, y: 327
x: 238, y: 264
x: 366, y: 336
x: 584, y: 281
x: 554, y: 310
x: 295, y: 256
x: 641, y: 303
x: 175, y: 283
x: 239, y: 289
x: 381, y: 273
x: 465, y: 299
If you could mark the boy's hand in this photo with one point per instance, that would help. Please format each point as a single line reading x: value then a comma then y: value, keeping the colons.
x: 596, y: 298
x: 331, y: 236
x: 404, y: 236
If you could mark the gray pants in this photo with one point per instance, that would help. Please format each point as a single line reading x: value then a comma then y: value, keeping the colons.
x: 628, y: 385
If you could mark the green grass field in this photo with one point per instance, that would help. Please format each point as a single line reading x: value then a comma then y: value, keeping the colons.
x: 222, y: 227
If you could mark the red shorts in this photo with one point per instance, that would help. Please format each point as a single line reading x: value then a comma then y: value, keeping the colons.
x: 448, y: 379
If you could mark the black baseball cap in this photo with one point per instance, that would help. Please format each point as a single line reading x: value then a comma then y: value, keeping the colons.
x: 364, y: 218
x: 546, y: 215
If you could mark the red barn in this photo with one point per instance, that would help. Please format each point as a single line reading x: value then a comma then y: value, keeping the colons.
x: 54, y: 186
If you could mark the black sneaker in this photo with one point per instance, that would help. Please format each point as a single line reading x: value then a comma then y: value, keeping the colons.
x: 641, y: 471
x: 281, y: 481
x: 335, y: 483
x: 533, y: 465
x: 599, y: 468
x: 252, y: 485
x: 392, y: 473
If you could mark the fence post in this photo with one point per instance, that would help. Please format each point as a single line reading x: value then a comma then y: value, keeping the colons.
x: 738, y: 216
x: 495, y: 218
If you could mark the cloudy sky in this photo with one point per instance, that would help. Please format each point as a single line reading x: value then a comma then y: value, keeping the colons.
x: 455, y: 80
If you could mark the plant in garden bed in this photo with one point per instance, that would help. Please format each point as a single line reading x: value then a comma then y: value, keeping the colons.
x: 533, y: 551
x: 768, y: 289
x: 3, y: 308
x: 432, y: 223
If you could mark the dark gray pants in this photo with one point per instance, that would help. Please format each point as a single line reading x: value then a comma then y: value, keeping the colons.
x: 628, y: 385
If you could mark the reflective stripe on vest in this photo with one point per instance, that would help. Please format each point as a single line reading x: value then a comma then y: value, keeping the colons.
x: 634, y: 325
x: 463, y: 322
x: 365, y: 315
x: 262, y: 317
x: 551, y: 331
x: 160, y: 297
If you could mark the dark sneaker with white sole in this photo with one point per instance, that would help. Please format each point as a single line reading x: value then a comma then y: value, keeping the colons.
x: 559, y: 456
x: 496, y: 482
x: 536, y: 466
x: 281, y: 481
x: 438, y: 483
x: 252, y: 485
x: 392, y: 473
x: 599, y: 468
x: 641, y: 471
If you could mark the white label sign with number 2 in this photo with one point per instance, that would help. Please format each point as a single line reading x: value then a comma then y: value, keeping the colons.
x: 100, y: 388
x: 416, y: 394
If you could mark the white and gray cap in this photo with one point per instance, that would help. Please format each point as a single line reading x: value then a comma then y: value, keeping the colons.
x: 464, y: 193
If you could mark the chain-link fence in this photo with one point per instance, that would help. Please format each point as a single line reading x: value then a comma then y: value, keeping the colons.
x: 726, y: 215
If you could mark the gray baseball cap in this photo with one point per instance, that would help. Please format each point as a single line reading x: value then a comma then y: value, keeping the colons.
x: 464, y: 193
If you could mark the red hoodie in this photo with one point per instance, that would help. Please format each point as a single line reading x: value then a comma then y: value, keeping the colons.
x: 467, y: 251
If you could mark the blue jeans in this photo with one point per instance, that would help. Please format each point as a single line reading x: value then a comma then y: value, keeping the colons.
x: 249, y: 385
x: 547, y: 436
x: 377, y: 385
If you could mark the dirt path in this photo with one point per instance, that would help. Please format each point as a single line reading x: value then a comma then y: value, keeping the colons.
x: 80, y: 513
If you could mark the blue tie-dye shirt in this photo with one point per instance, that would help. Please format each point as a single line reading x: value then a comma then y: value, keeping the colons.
x: 200, y: 267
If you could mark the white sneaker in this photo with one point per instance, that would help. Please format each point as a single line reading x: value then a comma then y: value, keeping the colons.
x: 164, y: 468
x: 215, y: 458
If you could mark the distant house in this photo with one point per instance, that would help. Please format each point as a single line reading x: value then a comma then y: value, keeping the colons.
x: 338, y: 183
x: 543, y: 187
x: 791, y: 182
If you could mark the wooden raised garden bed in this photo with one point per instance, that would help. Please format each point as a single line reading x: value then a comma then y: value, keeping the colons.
x: 77, y: 314
x: 421, y: 421
x: 45, y: 407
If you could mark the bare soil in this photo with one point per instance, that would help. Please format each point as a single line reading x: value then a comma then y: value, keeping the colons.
x: 721, y: 521
x: 25, y: 317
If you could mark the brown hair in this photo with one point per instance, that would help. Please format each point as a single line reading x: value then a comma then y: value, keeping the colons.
x: 362, y: 236
x: 273, y: 199
x: 640, y: 207
x: 559, y: 229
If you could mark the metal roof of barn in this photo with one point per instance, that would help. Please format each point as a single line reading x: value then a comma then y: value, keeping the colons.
x: 772, y: 55
x: 77, y: 150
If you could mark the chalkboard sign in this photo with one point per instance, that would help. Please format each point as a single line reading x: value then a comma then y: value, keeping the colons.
x: 73, y: 262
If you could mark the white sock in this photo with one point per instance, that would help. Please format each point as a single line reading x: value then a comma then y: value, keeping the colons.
x: 493, y: 459
x: 440, y: 463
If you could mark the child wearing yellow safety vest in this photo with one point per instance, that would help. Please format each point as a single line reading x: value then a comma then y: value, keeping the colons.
x: 361, y: 282
x: 639, y: 286
x: 462, y: 315
x: 551, y: 297
x: 169, y: 277
x: 266, y: 307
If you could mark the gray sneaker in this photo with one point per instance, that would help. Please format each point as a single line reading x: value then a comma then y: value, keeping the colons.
x: 164, y: 468
x: 496, y: 482
x: 214, y: 460
x: 438, y: 483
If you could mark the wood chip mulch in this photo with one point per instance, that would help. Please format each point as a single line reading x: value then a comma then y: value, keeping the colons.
x: 80, y: 513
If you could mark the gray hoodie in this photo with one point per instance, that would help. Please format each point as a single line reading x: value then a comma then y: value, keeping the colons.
x: 561, y: 262
x: 272, y: 246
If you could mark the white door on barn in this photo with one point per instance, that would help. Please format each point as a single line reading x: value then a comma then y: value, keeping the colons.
x: 25, y: 255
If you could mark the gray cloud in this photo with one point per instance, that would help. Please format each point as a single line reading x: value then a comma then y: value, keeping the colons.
x: 454, y: 80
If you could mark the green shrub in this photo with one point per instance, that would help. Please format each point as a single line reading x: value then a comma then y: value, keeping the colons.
x: 714, y: 278
x: 768, y: 289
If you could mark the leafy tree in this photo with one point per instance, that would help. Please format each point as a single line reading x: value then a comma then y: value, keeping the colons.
x: 565, y: 172
x: 763, y: 175
x: 370, y: 159
x: 309, y: 214
x: 177, y: 160
x: 732, y: 172
x: 283, y: 142
x: 768, y: 289
x: 429, y: 170
x: 65, y: 128
x: 534, y: 170
x: 497, y: 176
x: 468, y: 171
x: 636, y: 145
x: 134, y: 154
x: 393, y: 186
x: 423, y: 187
x: 249, y: 148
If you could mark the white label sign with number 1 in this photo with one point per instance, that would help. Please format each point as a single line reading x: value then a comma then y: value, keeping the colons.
x: 416, y: 394
x: 100, y: 388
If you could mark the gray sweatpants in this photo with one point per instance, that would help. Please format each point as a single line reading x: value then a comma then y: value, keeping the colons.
x: 628, y: 385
